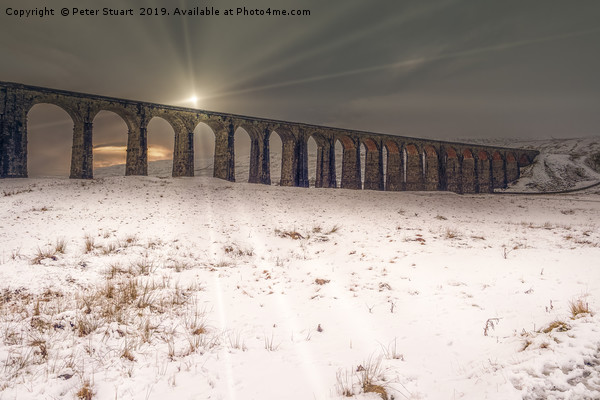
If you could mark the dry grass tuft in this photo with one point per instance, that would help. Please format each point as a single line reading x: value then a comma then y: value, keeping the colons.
x: 578, y: 307
x: 317, y: 232
x: 391, y: 352
x: 235, y: 250
x: 115, y: 270
x: 345, y: 383
x: 110, y: 248
x: 41, y: 255
x: 41, y: 350
x: 526, y: 344
x: 90, y: 243
x: 199, y: 330
x: 16, y: 254
x: 129, y: 240
x: 86, y: 325
x: 548, y: 226
x: 270, y: 343
x: 380, y: 390
x: 126, y: 354
x: 236, y: 341
x: 146, y: 330
x: 451, y: 233
x: 61, y: 246
x: 222, y: 264
x: 144, y: 266
x: 291, y: 234
x: 369, y: 375
x: 333, y: 229
x: 558, y: 325
x: 14, y: 192
x: 86, y: 392
x: 490, y: 324
x: 179, y: 265
x: 320, y: 281
x: 197, y: 323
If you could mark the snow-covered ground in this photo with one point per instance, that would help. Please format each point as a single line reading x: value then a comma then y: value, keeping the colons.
x: 197, y: 288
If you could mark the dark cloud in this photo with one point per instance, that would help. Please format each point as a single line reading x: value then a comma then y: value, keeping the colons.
x: 439, y: 69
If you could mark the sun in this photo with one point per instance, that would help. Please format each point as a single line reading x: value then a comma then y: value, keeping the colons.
x: 194, y: 100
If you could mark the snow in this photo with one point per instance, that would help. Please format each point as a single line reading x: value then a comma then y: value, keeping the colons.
x: 255, y: 292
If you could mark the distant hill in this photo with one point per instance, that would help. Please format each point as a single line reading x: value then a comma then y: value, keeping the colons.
x: 162, y: 168
x: 562, y: 163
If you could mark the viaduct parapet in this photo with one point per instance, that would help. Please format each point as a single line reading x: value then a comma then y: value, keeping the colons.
x: 411, y: 163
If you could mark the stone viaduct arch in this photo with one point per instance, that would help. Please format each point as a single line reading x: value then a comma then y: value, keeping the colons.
x: 49, y: 141
x: 411, y: 163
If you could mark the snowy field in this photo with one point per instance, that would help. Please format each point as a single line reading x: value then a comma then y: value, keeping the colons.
x: 197, y: 288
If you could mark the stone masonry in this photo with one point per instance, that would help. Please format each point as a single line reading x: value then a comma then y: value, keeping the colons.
x: 412, y: 163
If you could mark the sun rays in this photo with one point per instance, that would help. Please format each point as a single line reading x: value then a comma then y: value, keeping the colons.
x: 408, y: 63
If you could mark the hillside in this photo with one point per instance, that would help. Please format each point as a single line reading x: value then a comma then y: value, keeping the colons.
x: 561, y: 165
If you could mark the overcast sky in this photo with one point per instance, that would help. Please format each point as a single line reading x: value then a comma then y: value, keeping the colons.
x: 438, y: 69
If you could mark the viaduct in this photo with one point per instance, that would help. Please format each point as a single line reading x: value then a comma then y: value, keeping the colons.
x: 412, y: 163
